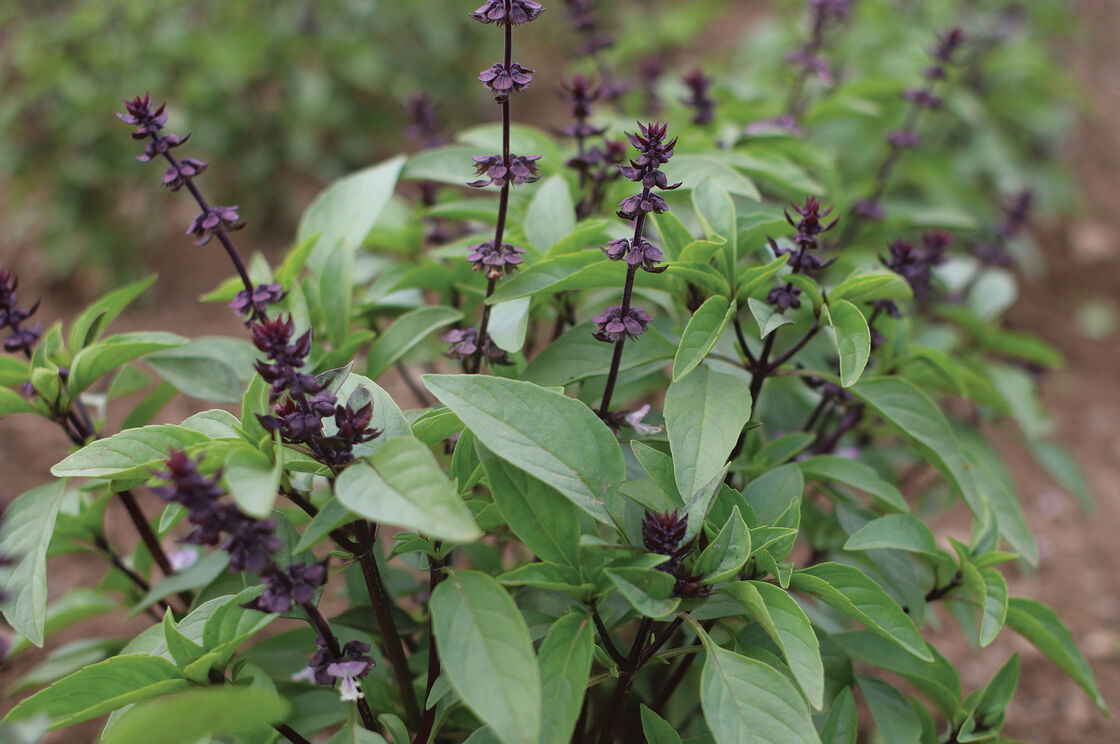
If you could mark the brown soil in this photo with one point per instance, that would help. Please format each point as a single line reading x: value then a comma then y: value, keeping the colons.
x: 1078, y: 552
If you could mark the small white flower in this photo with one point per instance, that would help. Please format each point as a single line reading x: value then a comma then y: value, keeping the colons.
x: 183, y: 559
x: 307, y: 674
x: 634, y: 420
x: 348, y: 671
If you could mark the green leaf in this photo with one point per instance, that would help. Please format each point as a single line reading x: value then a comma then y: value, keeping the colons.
x: 204, y: 570
x: 105, y: 356
x: 697, y: 171
x: 406, y: 487
x: 331, y: 516
x: 214, y: 368
x: 486, y: 653
x: 768, y: 320
x: 509, y: 322
x: 895, y: 719
x: 995, y: 697
x: 701, y: 334
x: 989, y: 589
x: 587, y: 233
x: 102, y: 687
x: 73, y: 607
x: 565, y: 663
x: 750, y: 278
x: 657, y: 729
x: 545, y: 275
x: 182, y: 649
x: 648, y: 590
x: 13, y: 371
x: 659, y: 467
x: 578, y: 355
x: 253, y: 481
x: 12, y: 403
x: 674, y: 235
x: 853, y: 340
x: 842, y: 724
x: 1065, y: 471
x: 147, y: 408
x: 88, y: 326
x: 894, y: 532
x: 548, y: 435
x: 850, y: 591
x: 551, y: 214
x: 786, y: 623
x: 916, y: 417
x: 704, y: 414
x: 410, y: 329
x: 867, y: 286
x: 716, y: 210
x: 938, y: 679
x: 538, y: 514
x: 346, y: 211
x: 1040, y: 625
x: 132, y: 452
x: 855, y: 474
x: 727, y: 553
x: 188, y: 716
x: 25, y: 536
x: 294, y: 262
x: 748, y: 702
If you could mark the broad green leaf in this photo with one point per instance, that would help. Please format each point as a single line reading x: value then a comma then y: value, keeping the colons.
x: 916, y: 417
x: 346, y: 211
x: 657, y: 729
x: 331, y: 516
x: 204, y: 570
x: 697, y: 170
x: 989, y: 590
x: 551, y: 214
x: 853, y: 340
x: 73, y: 607
x: 406, y: 487
x: 867, y: 286
x: 1040, y: 625
x: 648, y: 590
x: 674, y: 235
x: 552, y: 437
x: 88, y: 326
x: 895, y: 719
x: 509, y: 322
x: 786, y: 623
x: 842, y: 724
x: 147, y: 408
x: 772, y: 165
x: 894, y: 532
x: 727, y: 553
x: 487, y: 655
x: 539, y: 515
x: 13, y: 371
x: 855, y: 474
x: 294, y: 262
x: 588, y: 233
x: 850, y: 591
x: 775, y: 497
x: 659, y: 467
x: 767, y: 319
x: 938, y: 679
x: 565, y: 663
x: 186, y: 717
x: 24, y: 538
x: 449, y: 164
x: 406, y: 332
x: 132, y: 452
x: 105, y: 356
x: 182, y: 649
x: 748, y: 702
x: 12, y: 403
x: 577, y: 355
x: 102, y: 687
x: 701, y: 334
x: 253, y: 481
x: 997, y: 694
x: 716, y: 210
x: 544, y: 274
x: 214, y: 368
x: 704, y: 414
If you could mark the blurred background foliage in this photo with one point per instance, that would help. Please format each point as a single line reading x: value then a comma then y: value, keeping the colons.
x: 285, y: 95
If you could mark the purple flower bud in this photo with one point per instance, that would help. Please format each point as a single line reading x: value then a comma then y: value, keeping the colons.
x: 613, y: 326
x: 947, y: 45
x: 522, y: 169
x: 869, y: 209
x: 521, y: 11
x: 484, y: 257
x: 784, y: 296
x: 501, y: 79
x: 213, y: 221
x: 664, y: 533
x: 176, y: 177
x: 698, y: 85
x: 464, y: 345
x: 922, y: 98
x: 256, y: 304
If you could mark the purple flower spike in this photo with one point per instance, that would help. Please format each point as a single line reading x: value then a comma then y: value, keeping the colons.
x: 464, y: 345
x: 698, y: 85
x: 256, y: 304
x: 176, y: 177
